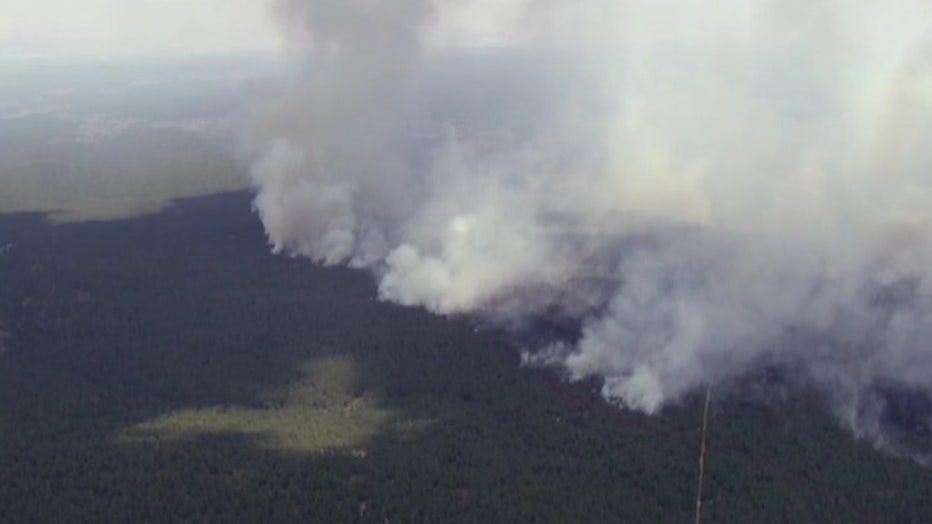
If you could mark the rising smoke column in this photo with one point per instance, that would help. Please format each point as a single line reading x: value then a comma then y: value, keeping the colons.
x: 705, y: 189
x: 334, y: 147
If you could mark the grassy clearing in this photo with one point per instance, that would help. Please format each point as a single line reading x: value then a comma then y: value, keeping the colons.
x: 321, y: 413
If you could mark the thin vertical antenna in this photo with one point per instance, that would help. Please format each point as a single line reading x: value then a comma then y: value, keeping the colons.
x: 705, y: 428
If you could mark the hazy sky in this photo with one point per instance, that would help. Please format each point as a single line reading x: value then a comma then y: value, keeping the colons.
x: 114, y: 28
x: 129, y: 28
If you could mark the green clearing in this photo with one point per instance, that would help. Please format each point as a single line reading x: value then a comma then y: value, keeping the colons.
x: 318, y: 414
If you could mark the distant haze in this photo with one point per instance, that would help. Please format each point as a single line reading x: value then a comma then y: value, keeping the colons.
x: 707, y: 189
x: 133, y: 28
x: 103, y: 29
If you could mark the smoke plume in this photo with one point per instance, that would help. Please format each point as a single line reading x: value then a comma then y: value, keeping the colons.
x: 700, y: 190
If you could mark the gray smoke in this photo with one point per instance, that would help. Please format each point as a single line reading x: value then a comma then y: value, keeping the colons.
x: 703, y: 190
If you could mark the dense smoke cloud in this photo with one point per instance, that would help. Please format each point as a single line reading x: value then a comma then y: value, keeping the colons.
x: 703, y: 189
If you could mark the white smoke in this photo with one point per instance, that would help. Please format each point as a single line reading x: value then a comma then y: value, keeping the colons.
x: 705, y: 188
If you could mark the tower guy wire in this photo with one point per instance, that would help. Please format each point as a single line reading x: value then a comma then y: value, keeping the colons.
x: 702, y: 446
